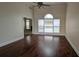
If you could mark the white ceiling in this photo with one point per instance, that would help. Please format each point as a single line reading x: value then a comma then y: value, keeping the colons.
x: 49, y: 3
x: 54, y: 3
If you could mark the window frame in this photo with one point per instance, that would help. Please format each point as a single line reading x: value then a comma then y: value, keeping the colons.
x: 53, y: 27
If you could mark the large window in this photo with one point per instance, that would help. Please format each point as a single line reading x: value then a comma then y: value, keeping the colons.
x: 49, y: 24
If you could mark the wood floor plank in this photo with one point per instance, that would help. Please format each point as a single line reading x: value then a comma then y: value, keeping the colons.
x: 39, y: 46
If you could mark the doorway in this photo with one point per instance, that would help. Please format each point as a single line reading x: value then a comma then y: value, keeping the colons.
x: 27, y: 26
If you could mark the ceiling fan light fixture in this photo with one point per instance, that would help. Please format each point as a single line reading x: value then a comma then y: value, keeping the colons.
x: 40, y: 4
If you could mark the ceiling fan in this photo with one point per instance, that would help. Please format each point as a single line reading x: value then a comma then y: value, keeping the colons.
x: 40, y: 4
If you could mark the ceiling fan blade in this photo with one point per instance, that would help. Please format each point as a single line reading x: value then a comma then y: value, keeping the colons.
x: 40, y: 4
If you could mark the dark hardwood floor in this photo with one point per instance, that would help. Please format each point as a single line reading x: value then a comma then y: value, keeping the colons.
x: 39, y: 46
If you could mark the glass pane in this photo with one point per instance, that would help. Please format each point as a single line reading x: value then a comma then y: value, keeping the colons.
x: 40, y: 25
x: 48, y: 22
x: 56, y: 22
x: 48, y: 16
x: 27, y: 27
x: 48, y: 29
x: 27, y: 24
x: 41, y: 22
x: 40, y: 29
x: 56, y: 29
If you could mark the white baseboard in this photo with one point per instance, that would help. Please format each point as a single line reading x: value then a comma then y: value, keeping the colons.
x: 60, y: 34
x: 73, y: 46
x: 10, y: 41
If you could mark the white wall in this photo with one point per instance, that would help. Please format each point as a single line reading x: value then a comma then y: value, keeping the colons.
x: 72, y: 25
x: 58, y: 11
x: 11, y: 21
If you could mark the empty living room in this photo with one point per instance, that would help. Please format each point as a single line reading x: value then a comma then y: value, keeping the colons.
x: 39, y: 29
